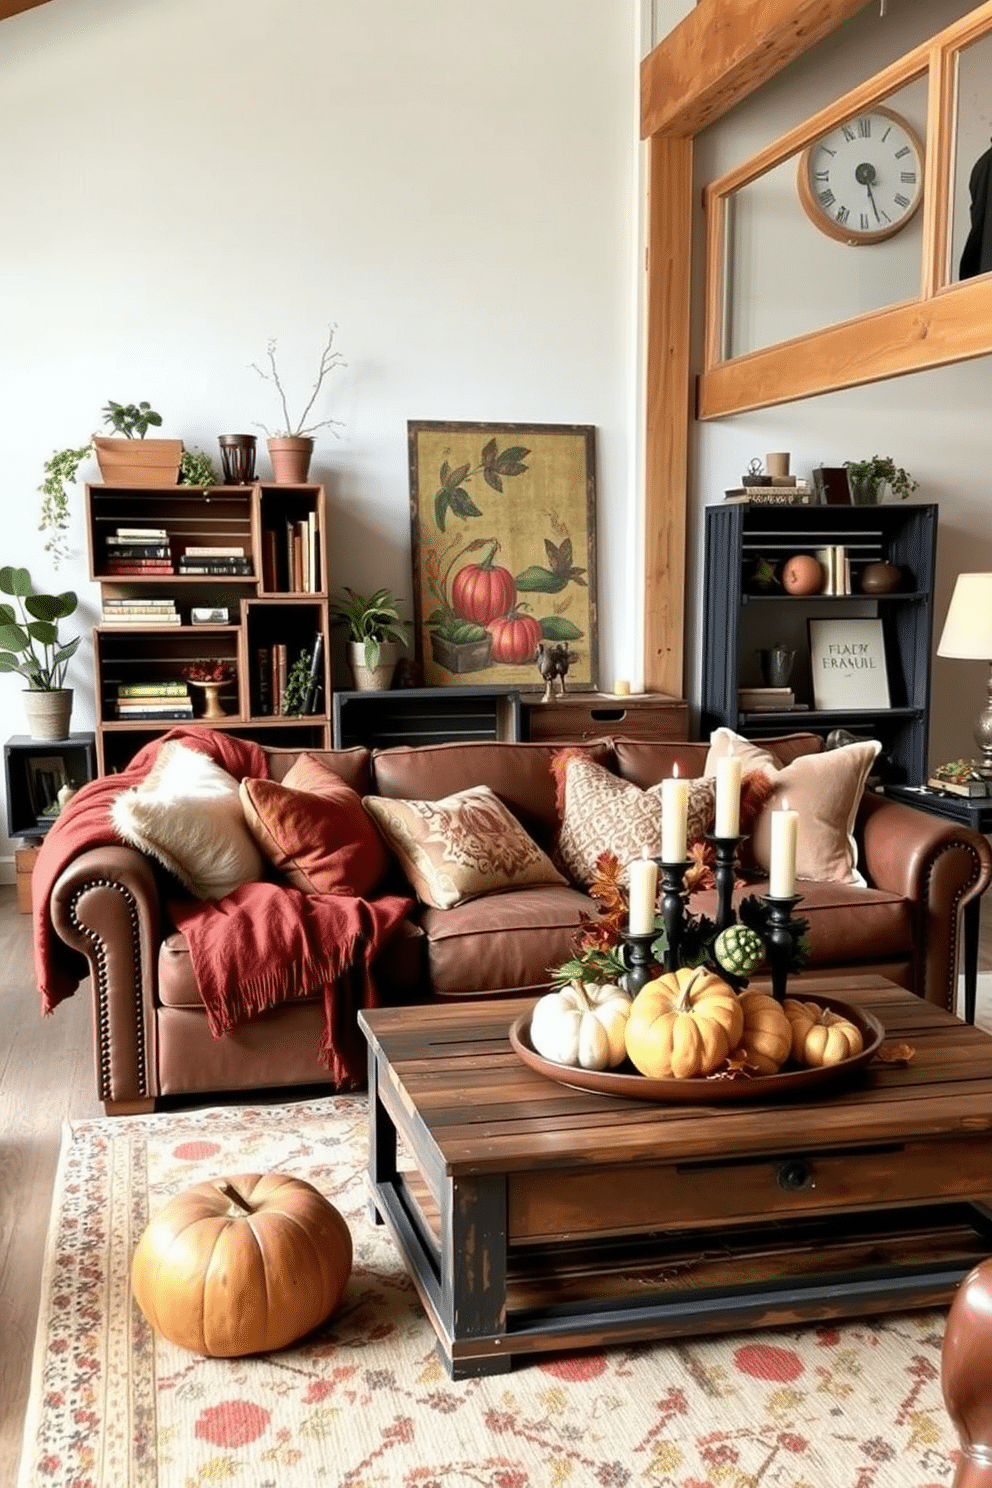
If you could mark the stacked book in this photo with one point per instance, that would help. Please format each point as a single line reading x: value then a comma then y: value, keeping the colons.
x: 291, y: 558
x: 139, y: 611
x: 766, y: 700
x: 139, y: 551
x: 229, y: 562
x: 160, y: 701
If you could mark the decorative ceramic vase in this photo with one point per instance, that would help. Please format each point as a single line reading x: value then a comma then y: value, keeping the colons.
x: 880, y: 578
x: 212, y: 707
x: 776, y: 665
x: 290, y: 460
x: 48, y: 713
x: 237, y: 454
x: 374, y: 679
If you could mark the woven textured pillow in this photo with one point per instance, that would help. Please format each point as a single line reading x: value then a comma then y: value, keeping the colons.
x: 602, y: 813
x: 186, y: 813
x: 825, y: 789
x: 460, y: 847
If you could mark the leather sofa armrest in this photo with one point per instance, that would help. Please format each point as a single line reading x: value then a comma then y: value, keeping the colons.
x: 106, y: 905
x: 939, y: 866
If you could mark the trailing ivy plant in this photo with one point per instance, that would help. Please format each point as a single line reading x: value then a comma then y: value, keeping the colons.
x: 297, y: 682
x: 62, y: 471
x: 196, y: 469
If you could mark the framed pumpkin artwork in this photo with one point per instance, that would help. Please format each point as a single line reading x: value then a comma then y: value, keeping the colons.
x: 504, y: 551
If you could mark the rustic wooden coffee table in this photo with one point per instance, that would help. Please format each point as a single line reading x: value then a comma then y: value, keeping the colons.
x: 536, y: 1218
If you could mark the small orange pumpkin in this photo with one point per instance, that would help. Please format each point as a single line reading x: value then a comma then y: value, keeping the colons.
x: 683, y: 1024
x: 242, y: 1265
x: 767, y: 1037
x: 819, y: 1035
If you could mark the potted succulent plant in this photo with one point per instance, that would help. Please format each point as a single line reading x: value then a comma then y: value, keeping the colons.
x: 129, y: 459
x: 375, y: 635
x: 30, y: 643
x: 867, y: 479
x: 291, y: 445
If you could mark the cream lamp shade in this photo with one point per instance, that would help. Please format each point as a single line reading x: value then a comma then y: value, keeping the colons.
x: 967, y: 630
x: 967, y: 634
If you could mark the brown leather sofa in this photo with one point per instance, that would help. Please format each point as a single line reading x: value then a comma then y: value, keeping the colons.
x: 152, y: 1039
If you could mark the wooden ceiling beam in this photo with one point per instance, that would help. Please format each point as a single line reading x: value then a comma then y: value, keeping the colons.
x: 14, y: 7
x: 722, y: 51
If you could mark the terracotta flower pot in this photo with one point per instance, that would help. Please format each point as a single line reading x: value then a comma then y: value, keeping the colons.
x: 290, y: 460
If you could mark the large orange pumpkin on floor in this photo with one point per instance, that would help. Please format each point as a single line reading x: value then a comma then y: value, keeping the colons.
x: 683, y: 1024
x: 242, y: 1265
x: 819, y: 1035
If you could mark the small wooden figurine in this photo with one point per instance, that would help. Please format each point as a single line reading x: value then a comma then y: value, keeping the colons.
x: 553, y: 660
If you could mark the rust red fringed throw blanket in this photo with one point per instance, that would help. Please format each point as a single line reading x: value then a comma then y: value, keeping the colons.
x: 261, y: 946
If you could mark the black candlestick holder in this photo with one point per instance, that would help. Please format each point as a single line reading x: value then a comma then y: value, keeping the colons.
x: 673, y: 907
x: 725, y: 873
x: 638, y: 958
x: 779, y: 939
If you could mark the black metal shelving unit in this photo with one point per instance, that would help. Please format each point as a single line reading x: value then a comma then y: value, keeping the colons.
x: 740, y: 619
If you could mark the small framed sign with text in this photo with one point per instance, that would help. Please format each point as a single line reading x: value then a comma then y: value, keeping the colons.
x: 847, y: 660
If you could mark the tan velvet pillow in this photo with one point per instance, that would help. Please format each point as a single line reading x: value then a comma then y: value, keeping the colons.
x: 602, y: 813
x: 460, y: 847
x: 321, y: 840
x: 825, y: 789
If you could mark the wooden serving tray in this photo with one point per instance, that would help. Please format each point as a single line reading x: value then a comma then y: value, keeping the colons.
x: 627, y: 1082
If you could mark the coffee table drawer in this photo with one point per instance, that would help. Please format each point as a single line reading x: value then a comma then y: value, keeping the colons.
x: 623, y: 1199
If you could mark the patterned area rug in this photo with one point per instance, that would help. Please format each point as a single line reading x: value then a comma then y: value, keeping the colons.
x: 365, y: 1402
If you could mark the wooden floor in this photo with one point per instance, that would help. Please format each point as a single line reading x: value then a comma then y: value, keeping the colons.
x: 46, y: 1078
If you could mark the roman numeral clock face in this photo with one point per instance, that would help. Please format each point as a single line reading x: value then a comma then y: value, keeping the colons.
x: 863, y: 180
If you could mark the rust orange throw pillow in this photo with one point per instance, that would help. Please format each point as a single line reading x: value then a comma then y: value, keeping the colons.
x: 321, y: 840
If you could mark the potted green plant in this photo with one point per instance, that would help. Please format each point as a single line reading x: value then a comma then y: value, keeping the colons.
x: 866, y: 480
x: 375, y: 635
x: 126, y: 458
x: 30, y: 643
x: 291, y: 444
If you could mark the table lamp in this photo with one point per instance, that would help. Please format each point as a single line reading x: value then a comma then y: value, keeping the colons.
x: 967, y: 634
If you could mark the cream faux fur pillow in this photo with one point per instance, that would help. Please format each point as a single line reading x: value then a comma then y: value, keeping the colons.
x: 187, y: 814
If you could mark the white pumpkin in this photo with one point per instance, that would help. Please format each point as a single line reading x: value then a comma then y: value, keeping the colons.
x: 584, y: 1024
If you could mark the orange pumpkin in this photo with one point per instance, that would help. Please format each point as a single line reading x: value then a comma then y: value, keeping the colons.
x: 767, y: 1037
x: 819, y: 1035
x: 683, y: 1024
x: 515, y: 637
x: 242, y: 1265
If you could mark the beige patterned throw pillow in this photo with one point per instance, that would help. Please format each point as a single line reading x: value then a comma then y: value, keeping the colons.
x: 460, y: 847
x: 602, y: 813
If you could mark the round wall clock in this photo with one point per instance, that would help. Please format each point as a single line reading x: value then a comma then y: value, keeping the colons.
x: 862, y: 181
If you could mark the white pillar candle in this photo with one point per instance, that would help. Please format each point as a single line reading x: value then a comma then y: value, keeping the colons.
x: 674, y: 818
x: 643, y: 876
x: 728, y: 796
x: 785, y: 831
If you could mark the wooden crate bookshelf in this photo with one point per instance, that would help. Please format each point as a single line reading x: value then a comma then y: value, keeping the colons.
x: 274, y: 592
x: 741, y: 618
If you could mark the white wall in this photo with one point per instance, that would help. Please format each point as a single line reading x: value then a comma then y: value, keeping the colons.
x: 454, y: 182
x: 935, y: 424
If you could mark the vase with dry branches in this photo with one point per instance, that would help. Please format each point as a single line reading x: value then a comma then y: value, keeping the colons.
x: 291, y: 444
